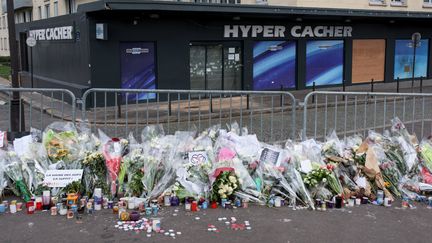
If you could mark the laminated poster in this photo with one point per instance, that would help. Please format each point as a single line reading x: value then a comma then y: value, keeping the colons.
x: 2, y: 139
x: 270, y: 156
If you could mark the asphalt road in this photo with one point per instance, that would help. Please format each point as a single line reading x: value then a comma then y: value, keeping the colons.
x: 366, y: 223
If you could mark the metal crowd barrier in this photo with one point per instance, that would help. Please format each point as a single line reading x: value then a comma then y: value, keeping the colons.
x: 269, y: 114
x: 36, y: 107
x: 357, y: 112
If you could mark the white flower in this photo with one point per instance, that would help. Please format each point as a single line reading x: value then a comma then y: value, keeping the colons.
x: 232, y: 179
x: 324, y: 180
x: 230, y: 190
x: 223, y: 196
x: 221, y: 192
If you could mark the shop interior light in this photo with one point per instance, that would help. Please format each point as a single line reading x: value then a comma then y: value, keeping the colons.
x: 154, y: 16
x: 236, y: 18
x: 274, y: 48
x: 347, y: 20
x: 325, y: 46
x: 299, y: 19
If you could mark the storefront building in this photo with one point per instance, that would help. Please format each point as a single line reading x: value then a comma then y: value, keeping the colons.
x: 156, y: 45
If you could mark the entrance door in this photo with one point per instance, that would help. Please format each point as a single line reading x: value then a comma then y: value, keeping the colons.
x: 138, y: 68
x: 215, y: 66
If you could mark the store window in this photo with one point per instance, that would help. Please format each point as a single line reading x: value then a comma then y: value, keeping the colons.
x: 324, y: 62
x: 274, y: 65
x: 404, y: 56
x: 215, y: 66
x: 398, y: 2
x: 368, y: 60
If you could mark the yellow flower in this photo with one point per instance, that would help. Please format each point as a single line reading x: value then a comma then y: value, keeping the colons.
x: 387, y: 184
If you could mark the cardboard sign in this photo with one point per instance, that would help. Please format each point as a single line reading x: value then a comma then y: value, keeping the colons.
x: 198, y: 157
x: 61, y: 178
x: 270, y: 156
x: 3, y: 136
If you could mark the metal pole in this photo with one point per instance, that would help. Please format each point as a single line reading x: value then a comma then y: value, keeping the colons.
x: 313, y: 90
x: 343, y: 88
x: 31, y: 66
x: 397, y: 85
x: 372, y: 85
x: 413, y: 65
x: 15, y: 102
x: 421, y: 84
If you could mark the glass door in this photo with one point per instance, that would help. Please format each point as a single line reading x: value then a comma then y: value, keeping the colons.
x: 215, y: 66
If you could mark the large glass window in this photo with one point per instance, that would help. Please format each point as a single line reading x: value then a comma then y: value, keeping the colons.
x: 215, y: 66
x: 274, y: 65
x: 368, y: 60
x: 324, y: 62
x: 404, y: 54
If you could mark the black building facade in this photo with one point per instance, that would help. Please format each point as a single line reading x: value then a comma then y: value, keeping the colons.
x: 115, y: 44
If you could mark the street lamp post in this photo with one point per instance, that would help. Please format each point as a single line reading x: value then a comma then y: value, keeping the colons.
x: 15, y: 104
x: 415, y: 40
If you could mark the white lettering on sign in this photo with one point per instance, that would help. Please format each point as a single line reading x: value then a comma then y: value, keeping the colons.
x: 56, y: 33
x: 277, y: 31
x: 61, y: 178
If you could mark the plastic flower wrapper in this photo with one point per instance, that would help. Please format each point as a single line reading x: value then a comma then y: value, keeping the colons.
x: 409, y: 186
x: 164, y: 174
x: 333, y: 148
x: 113, y: 151
x: 320, y: 178
x: 3, y: 179
x: 13, y: 171
x: 151, y: 133
x: 274, y: 182
x: 295, y: 180
x: 132, y: 168
x: 426, y: 154
x: 95, y: 172
x: 408, y: 143
x: 61, y: 142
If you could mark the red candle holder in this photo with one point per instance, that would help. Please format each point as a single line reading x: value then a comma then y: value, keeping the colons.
x: 194, y: 206
x: 30, y: 207
x: 38, y: 205
x: 213, y: 205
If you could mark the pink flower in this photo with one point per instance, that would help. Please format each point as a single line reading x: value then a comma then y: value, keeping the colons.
x: 226, y: 154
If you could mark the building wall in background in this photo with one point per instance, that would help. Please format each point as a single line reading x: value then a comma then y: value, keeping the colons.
x: 4, y: 35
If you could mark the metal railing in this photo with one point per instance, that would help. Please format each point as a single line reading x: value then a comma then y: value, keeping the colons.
x: 36, y: 107
x: 357, y: 112
x: 269, y: 114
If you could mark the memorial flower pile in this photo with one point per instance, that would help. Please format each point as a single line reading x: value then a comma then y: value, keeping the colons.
x: 221, y: 164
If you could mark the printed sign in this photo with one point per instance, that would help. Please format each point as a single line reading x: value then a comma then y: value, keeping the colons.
x: 56, y: 33
x: 61, y: 178
x: 278, y: 31
x: 269, y: 156
x: 198, y: 157
x: 2, y: 139
x: 306, y: 166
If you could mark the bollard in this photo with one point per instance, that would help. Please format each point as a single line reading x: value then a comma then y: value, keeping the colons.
x: 211, y: 103
x: 397, y: 85
x: 281, y: 96
x: 247, y: 102
x: 313, y: 90
x: 421, y: 84
x: 169, y: 105
x: 119, y: 106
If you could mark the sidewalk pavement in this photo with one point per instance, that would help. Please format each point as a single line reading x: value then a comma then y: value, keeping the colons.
x: 195, y: 108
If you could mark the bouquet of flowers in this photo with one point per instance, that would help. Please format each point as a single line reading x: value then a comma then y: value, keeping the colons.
x: 95, y: 172
x: 113, y: 151
x: 13, y: 171
x: 225, y: 185
x: 61, y: 143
